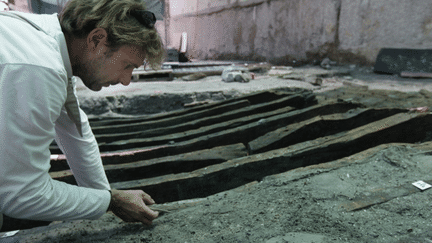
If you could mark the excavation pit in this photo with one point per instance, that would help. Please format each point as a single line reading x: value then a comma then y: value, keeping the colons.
x: 313, y: 157
x: 200, y: 151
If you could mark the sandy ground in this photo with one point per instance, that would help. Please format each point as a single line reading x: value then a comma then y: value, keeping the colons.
x: 302, y: 205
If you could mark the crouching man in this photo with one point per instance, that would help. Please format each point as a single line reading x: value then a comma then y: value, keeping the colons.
x: 99, y: 41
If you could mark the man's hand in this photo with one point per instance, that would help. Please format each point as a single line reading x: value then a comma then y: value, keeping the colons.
x: 131, y: 206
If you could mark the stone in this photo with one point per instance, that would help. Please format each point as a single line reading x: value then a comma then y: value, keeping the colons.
x: 327, y: 63
x: 398, y: 60
x: 236, y: 74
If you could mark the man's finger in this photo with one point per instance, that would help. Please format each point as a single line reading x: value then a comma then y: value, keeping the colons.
x: 148, y: 200
x: 150, y: 214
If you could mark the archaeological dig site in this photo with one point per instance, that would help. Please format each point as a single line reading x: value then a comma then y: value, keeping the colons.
x: 301, y: 121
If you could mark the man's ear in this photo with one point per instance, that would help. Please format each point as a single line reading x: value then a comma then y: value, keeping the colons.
x: 97, y: 39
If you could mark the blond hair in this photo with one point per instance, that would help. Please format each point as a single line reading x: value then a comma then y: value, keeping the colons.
x: 79, y: 17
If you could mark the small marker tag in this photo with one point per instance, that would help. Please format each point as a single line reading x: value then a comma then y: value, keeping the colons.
x: 8, y: 234
x: 422, y: 185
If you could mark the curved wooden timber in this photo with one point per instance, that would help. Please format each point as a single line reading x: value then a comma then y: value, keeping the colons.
x: 229, y: 134
x: 233, y: 173
x: 250, y: 138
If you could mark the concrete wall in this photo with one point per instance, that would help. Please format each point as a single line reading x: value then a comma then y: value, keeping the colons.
x: 287, y: 32
x: 366, y: 26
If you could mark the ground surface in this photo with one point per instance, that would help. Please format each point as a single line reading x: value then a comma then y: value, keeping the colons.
x: 302, y: 205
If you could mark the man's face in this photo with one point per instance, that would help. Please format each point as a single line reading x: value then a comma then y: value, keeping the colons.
x: 105, y: 67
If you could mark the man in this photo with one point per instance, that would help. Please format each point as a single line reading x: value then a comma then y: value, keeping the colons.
x: 4, y: 5
x: 100, y: 41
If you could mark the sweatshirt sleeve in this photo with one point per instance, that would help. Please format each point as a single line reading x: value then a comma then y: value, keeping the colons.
x: 31, y: 98
x: 82, y: 153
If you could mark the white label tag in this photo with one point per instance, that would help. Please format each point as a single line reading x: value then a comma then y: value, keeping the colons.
x: 8, y: 234
x: 421, y: 185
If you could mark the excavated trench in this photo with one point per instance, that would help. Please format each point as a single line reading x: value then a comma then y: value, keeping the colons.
x: 200, y: 151
x: 206, y: 149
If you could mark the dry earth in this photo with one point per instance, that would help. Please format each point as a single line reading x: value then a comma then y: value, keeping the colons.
x: 303, y: 205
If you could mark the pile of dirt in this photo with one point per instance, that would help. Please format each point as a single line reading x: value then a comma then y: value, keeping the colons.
x: 302, y: 205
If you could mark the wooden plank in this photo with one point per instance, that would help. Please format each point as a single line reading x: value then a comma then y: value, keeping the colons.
x: 318, y: 126
x: 242, y: 134
x: 59, y: 163
x: 415, y: 75
x: 295, y: 100
x: 380, y: 195
x: 164, y: 126
x: 148, y: 125
x: 220, y: 115
x: 197, y: 112
x: 253, y: 97
x: 176, y: 128
x: 242, y: 129
x: 190, y: 134
x: 113, y: 125
x: 208, y: 71
x: 152, y: 75
x: 233, y: 173
x: 238, y: 134
x: 176, y: 65
x: 165, y: 165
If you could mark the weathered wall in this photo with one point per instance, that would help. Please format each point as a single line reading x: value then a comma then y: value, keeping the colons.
x: 287, y: 31
x: 366, y: 26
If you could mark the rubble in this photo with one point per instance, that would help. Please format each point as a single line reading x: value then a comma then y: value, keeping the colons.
x: 326, y: 63
x: 236, y: 74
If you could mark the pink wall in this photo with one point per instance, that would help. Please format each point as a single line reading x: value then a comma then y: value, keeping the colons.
x: 284, y: 31
x: 21, y: 6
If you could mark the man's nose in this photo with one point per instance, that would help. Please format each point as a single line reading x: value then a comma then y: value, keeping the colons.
x: 126, y: 80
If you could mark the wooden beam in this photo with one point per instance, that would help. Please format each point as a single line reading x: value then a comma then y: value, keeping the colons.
x: 380, y: 195
x: 233, y: 173
x: 191, y: 134
x: 192, y: 113
x: 165, y: 165
x: 415, y: 75
x: 318, y: 126
x: 152, y: 75
x: 238, y: 134
x: 220, y: 114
